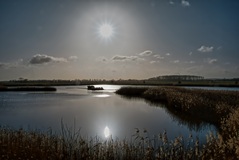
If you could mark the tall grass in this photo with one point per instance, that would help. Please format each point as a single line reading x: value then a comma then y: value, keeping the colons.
x: 132, y: 91
x: 218, y: 107
x: 208, y: 105
x: 20, y: 144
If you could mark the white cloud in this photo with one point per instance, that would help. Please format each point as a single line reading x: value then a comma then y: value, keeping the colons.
x: 167, y: 54
x: 146, y: 53
x: 152, y: 62
x: 171, y: 2
x: 190, y: 53
x: 126, y: 58
x: 44, y: 59
x: 205, y: 49
x: 212, y: 61
x: 119, y: 58
x: 73, y: 58
x: 176, y: 61
x: 158, y: 56
x: 185, y: 3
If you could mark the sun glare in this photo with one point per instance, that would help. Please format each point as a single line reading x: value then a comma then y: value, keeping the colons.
x: 106, y: 132
x: 106, y: 30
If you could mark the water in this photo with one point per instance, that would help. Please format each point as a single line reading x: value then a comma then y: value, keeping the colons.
x: 94, y: 112
x: 217, y: 88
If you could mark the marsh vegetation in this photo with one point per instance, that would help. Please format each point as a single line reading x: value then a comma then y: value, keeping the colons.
x: 20, y: 144
x: 218, y: 107
x: 222, y: 106
x: 208, y: 105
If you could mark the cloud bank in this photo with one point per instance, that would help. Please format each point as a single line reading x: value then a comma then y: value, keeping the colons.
x: 146, y: 53
x: 44, y: 59
x: 205, y: 49
x: 73, y: 58
x: 211, y: 61
x: 125, y: 58
x: 158, y: 56
x: 167, y: 54
x: 185, y: 3
x: 171, y: 2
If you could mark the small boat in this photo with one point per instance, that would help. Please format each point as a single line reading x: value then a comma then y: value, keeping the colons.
x: 94, y: 88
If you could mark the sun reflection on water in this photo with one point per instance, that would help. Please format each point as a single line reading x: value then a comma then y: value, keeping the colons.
x: 102, y: 95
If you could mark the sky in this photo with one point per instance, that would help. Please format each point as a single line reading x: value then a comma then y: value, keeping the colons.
x: 67, y: 39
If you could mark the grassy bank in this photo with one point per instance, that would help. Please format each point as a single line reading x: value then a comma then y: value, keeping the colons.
x: 217, y: 107
x: 208, y: 105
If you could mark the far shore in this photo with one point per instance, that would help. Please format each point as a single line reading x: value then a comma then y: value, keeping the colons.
x: 28, y: 89
x: 189, y: 83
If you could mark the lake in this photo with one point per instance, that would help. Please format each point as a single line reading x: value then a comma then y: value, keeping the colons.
x: 92, y: 112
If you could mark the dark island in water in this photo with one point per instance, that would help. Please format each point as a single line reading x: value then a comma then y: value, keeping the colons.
x: 27, y: 89
x: 93, y: 88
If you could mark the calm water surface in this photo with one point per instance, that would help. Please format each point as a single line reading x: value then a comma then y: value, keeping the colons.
x: 92, y: 111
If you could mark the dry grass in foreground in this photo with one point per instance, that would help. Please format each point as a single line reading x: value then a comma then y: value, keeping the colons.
x: 20, y: 144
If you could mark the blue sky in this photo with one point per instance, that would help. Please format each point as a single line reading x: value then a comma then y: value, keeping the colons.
x: 60, y: 39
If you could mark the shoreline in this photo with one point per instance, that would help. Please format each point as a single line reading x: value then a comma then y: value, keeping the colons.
x: 190, y: 83
x: 27, y: 89
x: 211, y: 106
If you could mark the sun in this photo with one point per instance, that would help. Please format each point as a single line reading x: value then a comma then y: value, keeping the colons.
x: 106, y: 31
x: 106, y: 132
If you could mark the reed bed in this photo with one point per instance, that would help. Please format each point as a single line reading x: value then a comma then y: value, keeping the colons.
x: 208, y: 105
x: 132, y: 91
x: 218, y: 107
x: 20, y: 144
